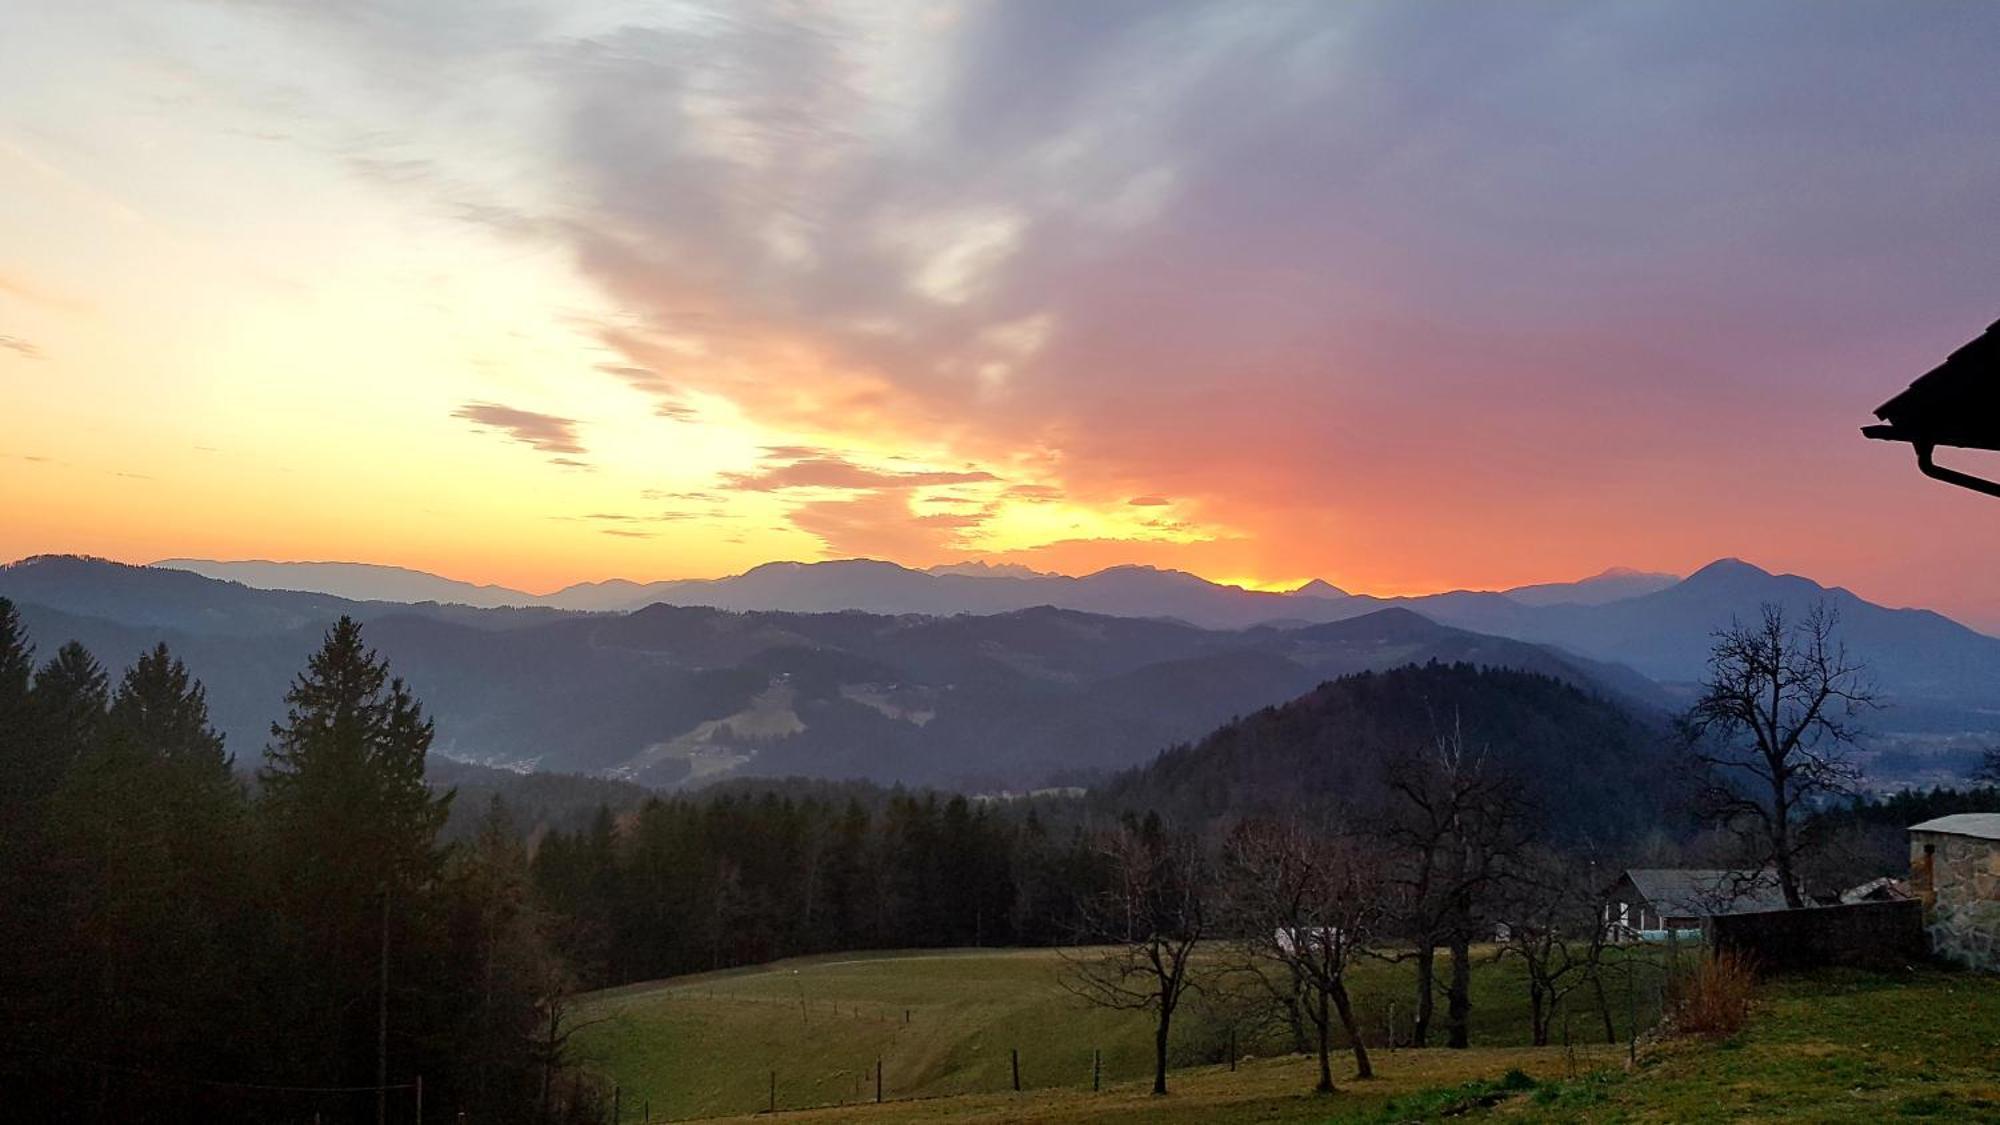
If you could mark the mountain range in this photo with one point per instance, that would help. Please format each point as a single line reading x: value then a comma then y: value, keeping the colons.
x: 963, y: 695
x: 1660, y: 625
x: 874, y: 586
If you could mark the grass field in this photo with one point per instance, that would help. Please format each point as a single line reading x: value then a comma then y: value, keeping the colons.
x: 1846, y: 1047
x: 945, y: 1024
x: 1837, y: 1047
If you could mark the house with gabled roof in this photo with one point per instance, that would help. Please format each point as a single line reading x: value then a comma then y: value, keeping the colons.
x: 1656, y: 903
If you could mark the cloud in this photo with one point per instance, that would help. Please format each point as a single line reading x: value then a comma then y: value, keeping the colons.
x: 639, y: 378
x: 20, y: 347
x: 628, y: 518
x: 666, y: 395
x: 881, y: 525
x: 1148, y: 501
x: 545, y: 432
x: 800, y: 467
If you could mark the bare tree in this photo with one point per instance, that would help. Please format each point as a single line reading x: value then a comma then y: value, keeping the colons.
x: 1309, y: 901
x: 1773, y: 728
x: 1153, y: 913
x: 1457, y: 817
x: 1551, y: 918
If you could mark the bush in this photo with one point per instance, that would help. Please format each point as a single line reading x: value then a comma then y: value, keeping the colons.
x: 1713, y: 1000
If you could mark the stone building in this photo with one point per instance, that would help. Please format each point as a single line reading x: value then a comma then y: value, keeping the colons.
x: 1955, y: 872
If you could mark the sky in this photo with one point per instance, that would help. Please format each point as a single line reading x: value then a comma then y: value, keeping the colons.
x: 1406, y: 296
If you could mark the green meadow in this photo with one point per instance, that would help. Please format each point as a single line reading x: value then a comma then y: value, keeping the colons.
x: 945, y: 1024
x: 1924, y: 1044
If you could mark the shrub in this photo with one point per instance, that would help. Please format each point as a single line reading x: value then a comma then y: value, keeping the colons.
x: 1713, y: 999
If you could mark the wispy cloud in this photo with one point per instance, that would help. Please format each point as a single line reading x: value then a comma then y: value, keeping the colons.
x: 881, y: 525
x: 546, y: 432
x: 802, y: 467
x: 20, y: 347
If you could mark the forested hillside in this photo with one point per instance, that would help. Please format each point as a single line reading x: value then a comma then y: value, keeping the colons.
x: 1592, y: 769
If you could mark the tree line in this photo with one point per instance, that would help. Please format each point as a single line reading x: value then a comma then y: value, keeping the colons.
x: 182, y: 945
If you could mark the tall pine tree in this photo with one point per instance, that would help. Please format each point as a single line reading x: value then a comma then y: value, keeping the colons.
x: 149, y: 824
x: 352, y: 836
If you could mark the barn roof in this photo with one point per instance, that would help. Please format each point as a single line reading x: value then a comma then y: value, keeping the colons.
x: 1699, y: 893
x: 1984, y: 825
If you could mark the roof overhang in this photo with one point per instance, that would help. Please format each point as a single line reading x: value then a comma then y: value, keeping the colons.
x: 1956, y: 404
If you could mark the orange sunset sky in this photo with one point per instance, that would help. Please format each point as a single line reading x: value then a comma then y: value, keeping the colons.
x: 1403, y: 296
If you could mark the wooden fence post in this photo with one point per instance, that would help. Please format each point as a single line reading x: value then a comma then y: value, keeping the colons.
x: 878, y: 1079
x: 1017, y: 1069
x: 617, y: 1106
x: 1096, y: 1070
x: 1232, y: 1050
x: 420, y: 1099
x: 774, y: 1091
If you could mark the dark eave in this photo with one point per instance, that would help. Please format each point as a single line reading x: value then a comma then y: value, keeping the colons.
x: 1956, y: 403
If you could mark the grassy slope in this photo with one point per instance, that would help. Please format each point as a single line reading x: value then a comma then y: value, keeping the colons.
x: 1834, y: 1047
x: 705, y: 1045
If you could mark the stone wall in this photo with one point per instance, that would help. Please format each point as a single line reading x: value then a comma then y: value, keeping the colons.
x: 1958, y: 880
x: 1873, y: 935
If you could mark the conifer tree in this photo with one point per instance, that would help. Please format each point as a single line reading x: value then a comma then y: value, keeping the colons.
x: 162, y: 711
x: 148, y: 822
x: 351, y: 834
x: 343, y: 780
x: 70, y: 698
